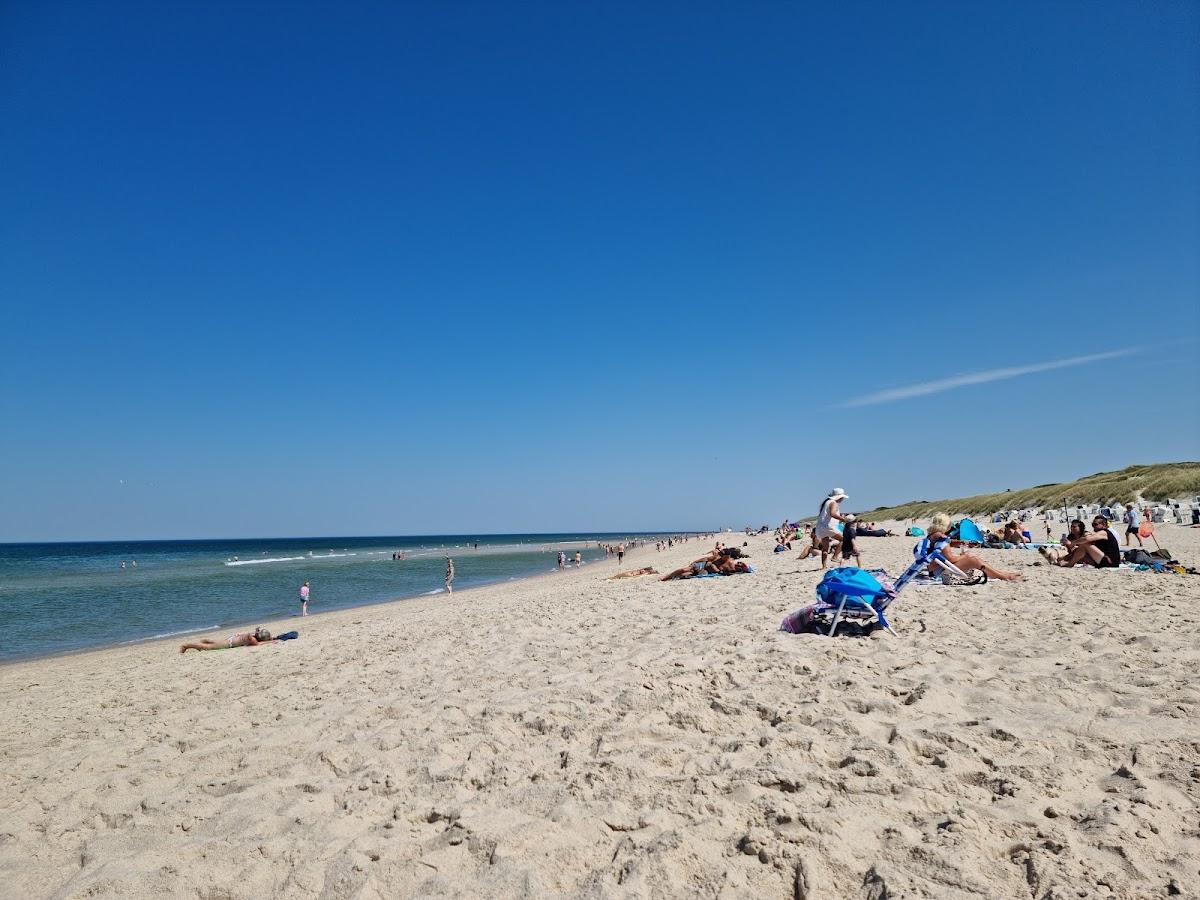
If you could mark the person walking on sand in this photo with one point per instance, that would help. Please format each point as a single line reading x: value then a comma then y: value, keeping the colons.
x: 578, y: 559
x: 620, y: 553
x: 828, y: 535
x: 449, y: 575
x: 1132, y: 523
x: 304, y: 599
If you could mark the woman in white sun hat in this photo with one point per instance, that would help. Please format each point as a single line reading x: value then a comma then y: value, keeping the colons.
x: 827, y: 532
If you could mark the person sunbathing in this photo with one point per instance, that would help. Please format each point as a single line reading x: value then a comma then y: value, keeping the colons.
x: 634, y: 573
x: 1013, y: 534
x: 719, y: 565
x: 253, y: 638
x: 1100, y: 548
x: 938, y: 537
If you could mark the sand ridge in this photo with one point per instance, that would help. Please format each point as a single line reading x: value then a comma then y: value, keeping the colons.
x: 578, y: 737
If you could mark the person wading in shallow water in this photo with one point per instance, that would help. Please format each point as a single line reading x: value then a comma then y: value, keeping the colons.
x: 449, y: 575
x: 304, y: 599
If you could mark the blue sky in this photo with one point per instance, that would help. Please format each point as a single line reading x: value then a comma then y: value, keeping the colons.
x: 302, y: 269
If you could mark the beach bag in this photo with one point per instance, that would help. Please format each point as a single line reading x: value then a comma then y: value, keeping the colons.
x: 1138, y: 557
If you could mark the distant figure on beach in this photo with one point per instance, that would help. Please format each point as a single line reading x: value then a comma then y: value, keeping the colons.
x: 304, y: 599
x: 578, y: 559
x: 253, y: 638
x: 1132, y: 525
x: 620, y: 553
x: 562, y: 561
x: 449, y: 575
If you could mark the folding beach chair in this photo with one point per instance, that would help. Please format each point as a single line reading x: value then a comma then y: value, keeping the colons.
x: 856, y: 595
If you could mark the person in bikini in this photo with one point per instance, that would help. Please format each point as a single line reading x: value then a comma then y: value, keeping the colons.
x: 253, y: 638
x: 937, y: 537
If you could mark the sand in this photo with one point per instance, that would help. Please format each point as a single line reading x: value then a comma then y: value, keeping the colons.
x: 578, y: 737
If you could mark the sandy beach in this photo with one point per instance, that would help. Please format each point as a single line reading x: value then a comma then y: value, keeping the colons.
x: 574, y: 736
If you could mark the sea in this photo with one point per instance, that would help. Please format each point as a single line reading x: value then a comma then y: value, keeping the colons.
x: 57, y: 598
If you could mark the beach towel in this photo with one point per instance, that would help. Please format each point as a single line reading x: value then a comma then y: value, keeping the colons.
x: 287, y: 636
x: 749, y: 571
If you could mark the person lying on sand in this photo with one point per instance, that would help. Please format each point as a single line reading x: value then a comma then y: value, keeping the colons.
x: 1100, y: 548
x: 253, y: 638
x: 937, y: 537
x: 722, y: 565
x: 634, y: 573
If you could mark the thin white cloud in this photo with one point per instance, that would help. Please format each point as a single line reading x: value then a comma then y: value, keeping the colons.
x: 907, y: 392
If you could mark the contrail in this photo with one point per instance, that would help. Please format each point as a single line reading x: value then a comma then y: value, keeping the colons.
x: 948, y: 384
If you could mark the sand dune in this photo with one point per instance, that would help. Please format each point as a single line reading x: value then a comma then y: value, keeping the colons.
x: 573, y: 736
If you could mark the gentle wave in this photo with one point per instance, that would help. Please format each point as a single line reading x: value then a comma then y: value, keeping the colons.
x: 167, y: 634
x: 326, y: 555
x: 259, y: 562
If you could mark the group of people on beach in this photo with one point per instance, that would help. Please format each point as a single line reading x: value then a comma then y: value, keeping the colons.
x: 721, y: 560
x: 828, y: 541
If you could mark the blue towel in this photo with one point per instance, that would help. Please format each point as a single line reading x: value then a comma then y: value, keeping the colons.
x: 287, y: 636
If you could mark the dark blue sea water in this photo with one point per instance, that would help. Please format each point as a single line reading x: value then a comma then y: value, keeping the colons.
x: 62, y: 597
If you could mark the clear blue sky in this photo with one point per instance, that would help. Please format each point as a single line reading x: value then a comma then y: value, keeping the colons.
x: 310, y: 269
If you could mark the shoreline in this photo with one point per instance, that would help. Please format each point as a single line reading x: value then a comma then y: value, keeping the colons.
x: 434, y: 551
x: 273, y: 620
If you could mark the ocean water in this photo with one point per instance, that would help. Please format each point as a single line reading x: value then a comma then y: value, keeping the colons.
x: 62, y: 597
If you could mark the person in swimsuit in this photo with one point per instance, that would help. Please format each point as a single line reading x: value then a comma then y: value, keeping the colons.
x: 449, y: 575
x: 304, y: 599
x: 938, y: 535
x: 253, y: 638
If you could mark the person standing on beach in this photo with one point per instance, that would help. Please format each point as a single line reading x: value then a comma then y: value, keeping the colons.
x: 304, y: 599
x: 578, y: 559
x: 1132, y: 524
x: 449, y: 575
x: 827, y: 532
x: 620, y: 553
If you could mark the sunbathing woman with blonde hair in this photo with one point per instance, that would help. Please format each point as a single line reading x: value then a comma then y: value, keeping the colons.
x: 939, y: 528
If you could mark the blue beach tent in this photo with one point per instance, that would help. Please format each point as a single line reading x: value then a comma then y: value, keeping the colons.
x: 969, y: 531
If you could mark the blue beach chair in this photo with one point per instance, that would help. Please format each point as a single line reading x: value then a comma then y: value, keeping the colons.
x: 855, y: 595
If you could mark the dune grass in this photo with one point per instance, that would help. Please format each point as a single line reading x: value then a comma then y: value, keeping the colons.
x: 1154, y: 482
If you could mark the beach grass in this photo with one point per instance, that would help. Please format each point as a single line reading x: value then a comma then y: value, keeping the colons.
x: 1150, y: 482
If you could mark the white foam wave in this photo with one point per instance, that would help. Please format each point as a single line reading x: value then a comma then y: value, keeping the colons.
x: 325, y: 555
x: 167, y: 634
x: 259, y: 562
